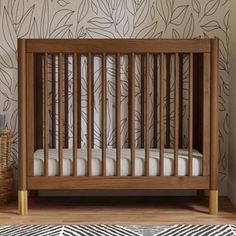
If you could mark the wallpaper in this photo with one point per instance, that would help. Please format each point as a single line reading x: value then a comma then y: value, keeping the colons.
x: 111, y: 19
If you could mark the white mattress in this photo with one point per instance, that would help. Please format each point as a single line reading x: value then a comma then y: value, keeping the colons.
x: 111, y: 162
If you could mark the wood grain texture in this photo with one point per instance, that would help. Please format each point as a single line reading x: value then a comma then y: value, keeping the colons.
x: 132, y: 110
x: 114, y: 182
x: 104, y: 113
x: 89, y: 114
x: 45, y: 114
x: 22, y: 115
x: 161, y: 92
x: 30, y: 115
x: 118, y: 45
x: 75, y: 112
x: 214, y: 136
x: 60, y: 112
x: 118, y: 115
x: 190, y: 115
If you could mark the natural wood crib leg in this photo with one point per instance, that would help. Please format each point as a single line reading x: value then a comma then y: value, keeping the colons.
x: 23, y: 202
x: 213, y: 202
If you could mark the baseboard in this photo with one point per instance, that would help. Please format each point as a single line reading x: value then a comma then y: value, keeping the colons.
x: 232, y: 192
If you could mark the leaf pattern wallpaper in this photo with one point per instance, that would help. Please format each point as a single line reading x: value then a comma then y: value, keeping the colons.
x: 111, y: 19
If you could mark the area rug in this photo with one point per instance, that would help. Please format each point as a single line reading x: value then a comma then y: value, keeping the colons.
x: 116, y: 230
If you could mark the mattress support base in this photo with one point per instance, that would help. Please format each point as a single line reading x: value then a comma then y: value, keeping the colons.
x: 23, y: 202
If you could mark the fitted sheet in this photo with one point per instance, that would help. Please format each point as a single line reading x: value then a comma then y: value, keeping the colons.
x: 125, y: 162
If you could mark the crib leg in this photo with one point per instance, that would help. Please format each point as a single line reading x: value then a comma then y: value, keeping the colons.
x: 23, y: 202
x: 213, y: 202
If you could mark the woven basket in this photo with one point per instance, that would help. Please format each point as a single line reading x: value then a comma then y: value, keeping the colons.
x: 6, y: 172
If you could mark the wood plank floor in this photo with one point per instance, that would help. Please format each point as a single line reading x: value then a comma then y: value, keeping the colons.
x: 122, y: 210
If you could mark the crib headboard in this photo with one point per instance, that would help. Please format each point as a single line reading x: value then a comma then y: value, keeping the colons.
x: 183, y: 106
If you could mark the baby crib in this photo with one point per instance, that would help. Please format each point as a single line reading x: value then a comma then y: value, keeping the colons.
x: 118, y: 114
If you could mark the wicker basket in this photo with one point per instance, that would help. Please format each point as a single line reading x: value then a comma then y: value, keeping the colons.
x: 6, y: 172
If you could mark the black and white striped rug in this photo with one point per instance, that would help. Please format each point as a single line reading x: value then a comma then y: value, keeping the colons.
x: 116, y: 230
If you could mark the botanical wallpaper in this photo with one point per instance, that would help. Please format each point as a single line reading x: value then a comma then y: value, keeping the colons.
x: 111, y: 19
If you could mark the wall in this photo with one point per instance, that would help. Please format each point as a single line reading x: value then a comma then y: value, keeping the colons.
x: 111, y: 19
x: 232, y: 146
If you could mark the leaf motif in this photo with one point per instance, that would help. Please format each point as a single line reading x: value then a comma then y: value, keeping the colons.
x: 152, y: 12
x: 104, y: 6
x: 96, y: 33
x: 147, y: 32
x: 94, y: 7
x: 6, y: 105
x: 196, y: 6
x: 141, y: 13
x: 82, y: 10
x: 34, y: 31
x: 120, y: 12
x: 179, y: 15
x: 70, y: 34
x: 17, y: 11
x: 25, y: 23
x: 13, y: 123
x: 5, y: 58
x: 126, y: 27
x: 175, y: 34
x: 81, y: 33
x: 62, y: 3
x: 163, y: 10
x: 9, y: 32
x: 6, y: 82
x: 211, y: 25
x: 226, y: 89
x: 60, y: 32
x: 131, y: 7
x: 158, y: 35
x: 211, y: 7
x: 60, y: 19
x: 101, y: 22
x: 44, y: 22
x: 226, y: 20
x: 189, y: 27
x: 226, y: 124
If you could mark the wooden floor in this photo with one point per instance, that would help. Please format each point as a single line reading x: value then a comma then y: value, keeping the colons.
x: 122, y: 210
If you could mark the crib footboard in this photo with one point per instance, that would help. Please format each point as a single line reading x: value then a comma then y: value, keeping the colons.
x: 118, y: 114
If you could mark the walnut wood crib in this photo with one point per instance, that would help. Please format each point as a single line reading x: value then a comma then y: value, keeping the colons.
x: 118, y: 114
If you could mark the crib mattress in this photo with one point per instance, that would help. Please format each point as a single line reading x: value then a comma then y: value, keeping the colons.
x: 125, y: 162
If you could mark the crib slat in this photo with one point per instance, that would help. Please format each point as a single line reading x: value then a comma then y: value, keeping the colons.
x: 206, y: 112
x: 53, y: 101
x: 92, y: 100
x: 155, y: 95
x: 79, y: 98
x: 168, y: 78
x: 176, y: 115
x: 181, y: 75
x: 190, y: 115
x: 146, y: 113
x: 66, y: 100
x: 104, y: 114
x: 89, y: 114
x: 118, y: 94
x: 60, y: 112
x: 75, y: 112
x: 161, y: 92
x: 132, y: 110
x: 39, y: 101
x: 142, y: 131
x: 46, y: 124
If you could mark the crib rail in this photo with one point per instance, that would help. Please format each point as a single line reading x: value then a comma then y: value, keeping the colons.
x: 166, y: 54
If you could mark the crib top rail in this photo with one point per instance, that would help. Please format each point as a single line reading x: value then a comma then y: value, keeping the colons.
x: 118, y: 45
